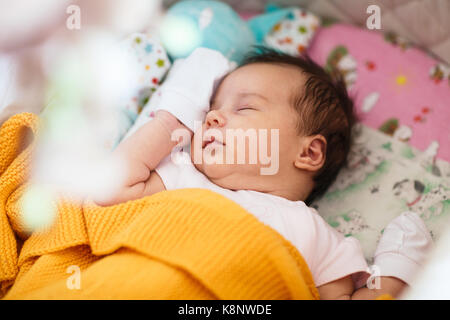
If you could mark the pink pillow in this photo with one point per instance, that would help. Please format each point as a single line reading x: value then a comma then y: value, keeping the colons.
x: 397, y: 88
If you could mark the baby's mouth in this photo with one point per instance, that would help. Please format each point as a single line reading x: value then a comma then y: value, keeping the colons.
x: 209, y: 141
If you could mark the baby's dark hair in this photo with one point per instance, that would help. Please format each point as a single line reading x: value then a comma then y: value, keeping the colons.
x: 324, y: 107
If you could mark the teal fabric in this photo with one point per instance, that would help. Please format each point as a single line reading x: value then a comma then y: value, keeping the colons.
x: 262, y: 24
x: 212, y: 24
x: 190, y: 24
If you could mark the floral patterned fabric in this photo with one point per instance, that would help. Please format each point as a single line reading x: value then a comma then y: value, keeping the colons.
x: 384, y: 178
x: 397, y: 88
x: 400, y: 161
x: 293, y: 34
x: 402, y: 96
x: 152, y: 65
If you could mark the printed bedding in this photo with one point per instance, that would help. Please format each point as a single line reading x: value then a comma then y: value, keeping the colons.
x: 401, y: 159
x: 402, y: 98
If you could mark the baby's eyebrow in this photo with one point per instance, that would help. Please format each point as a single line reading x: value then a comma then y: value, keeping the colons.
x: 212, y: 104
x: 246, y: 94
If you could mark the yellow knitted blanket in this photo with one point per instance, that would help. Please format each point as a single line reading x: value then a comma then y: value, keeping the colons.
x: 182, y: 244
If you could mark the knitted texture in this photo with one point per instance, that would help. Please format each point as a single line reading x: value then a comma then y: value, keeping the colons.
x: 180, y: 244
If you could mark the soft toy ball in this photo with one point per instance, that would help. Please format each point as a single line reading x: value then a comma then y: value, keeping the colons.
x: 205, y: 23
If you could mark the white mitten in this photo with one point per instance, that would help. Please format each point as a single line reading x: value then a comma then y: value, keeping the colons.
x: 403, y: 247
x: 189, y: 85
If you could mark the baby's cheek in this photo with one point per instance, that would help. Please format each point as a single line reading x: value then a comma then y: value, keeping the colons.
x: 194, y: 151
x: 268, y: 143
x: 282, y: 143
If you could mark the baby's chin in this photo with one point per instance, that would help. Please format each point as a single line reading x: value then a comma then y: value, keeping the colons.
x: 221, y: 175
x: 228, y: 176
x: 213, y: 171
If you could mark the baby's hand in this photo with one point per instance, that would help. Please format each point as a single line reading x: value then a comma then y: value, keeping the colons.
x: 403, y: 248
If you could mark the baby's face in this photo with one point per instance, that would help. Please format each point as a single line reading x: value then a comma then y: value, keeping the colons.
x: 257, y: 99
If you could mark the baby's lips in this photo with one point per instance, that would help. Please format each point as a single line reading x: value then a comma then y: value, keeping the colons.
x: 208, y: 141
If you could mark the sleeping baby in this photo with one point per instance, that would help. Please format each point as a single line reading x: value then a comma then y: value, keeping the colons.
x: 270, y: 135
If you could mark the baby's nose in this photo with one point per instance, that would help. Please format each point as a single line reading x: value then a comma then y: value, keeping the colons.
x: 215, y: 119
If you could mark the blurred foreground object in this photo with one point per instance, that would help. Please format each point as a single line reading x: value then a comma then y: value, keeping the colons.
x: 433, y: 282
x: 24, y: 23
x: 79, y: 77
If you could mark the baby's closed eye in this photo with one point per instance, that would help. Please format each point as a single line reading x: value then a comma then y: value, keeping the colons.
x: 241, y: 108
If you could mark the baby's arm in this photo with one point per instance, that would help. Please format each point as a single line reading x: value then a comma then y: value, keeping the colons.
x: 399, y: 255
x: 182, y: 100
x: 141, y: 153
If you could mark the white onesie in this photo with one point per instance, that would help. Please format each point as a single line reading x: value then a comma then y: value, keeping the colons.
x: 329, y: 255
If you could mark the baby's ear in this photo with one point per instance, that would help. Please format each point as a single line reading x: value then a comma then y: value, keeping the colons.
x: 312, y: 153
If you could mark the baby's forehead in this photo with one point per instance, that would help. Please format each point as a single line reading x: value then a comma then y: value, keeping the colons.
x: 267, y: 69
x: 268, y: 78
